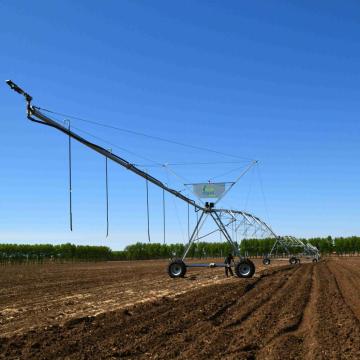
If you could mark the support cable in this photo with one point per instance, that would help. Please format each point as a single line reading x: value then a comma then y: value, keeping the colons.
x: 263, y: 193
x: 155, y: 163
x: 32, y: 111
x: 193, y: 163
x: 176, y: 209
x: 182, y: 180
x: 144, y: 135
x: 234, y: 183
x: 225, y: 173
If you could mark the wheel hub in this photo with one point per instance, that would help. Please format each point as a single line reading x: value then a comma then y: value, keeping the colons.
x: 244, y: 269
x: 176, y: 269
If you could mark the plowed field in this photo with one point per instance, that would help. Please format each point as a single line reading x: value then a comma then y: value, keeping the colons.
x: 133, y: 310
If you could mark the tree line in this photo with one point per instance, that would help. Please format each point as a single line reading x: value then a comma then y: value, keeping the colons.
x: 249, y: 247
x: 38, y: 253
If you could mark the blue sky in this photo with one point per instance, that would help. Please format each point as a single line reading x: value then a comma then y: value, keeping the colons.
x: 276, y: 81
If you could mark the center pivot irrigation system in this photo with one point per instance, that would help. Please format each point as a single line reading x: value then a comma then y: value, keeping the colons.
x: 294, y: 248
x: 240, y: 222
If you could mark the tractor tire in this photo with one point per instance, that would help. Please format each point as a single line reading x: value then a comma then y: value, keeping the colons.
x: 297, y: 260
x: 176, y: 268
x: 315, y: 260
x: 245, y: 269
x: 293, y: 260
x: 266, y: 261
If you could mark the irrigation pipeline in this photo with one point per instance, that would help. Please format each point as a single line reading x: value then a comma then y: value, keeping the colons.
x: 34, y: 114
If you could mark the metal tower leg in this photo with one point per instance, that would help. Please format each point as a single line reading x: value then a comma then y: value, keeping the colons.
x: 193, y: 235
x: 222, y: 228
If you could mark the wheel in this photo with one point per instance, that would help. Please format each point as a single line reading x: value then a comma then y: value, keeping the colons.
x: 177, y: 268
x: 315, y: 260
x: 292, y: 260
x: 266, y: 261
x: 245, y: 268
x: 297, y: 261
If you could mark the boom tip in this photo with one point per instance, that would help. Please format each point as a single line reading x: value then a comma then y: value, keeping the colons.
x: 20, y: 91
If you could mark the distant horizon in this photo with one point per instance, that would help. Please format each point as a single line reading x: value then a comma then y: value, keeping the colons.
x: 145, y: 243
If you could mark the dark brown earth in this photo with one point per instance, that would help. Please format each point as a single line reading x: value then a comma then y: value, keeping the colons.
x: 306, y: 311
x: 40, y: 295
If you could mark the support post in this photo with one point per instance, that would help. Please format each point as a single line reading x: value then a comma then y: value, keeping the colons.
x: 193, y: 235
x: 222, y: 228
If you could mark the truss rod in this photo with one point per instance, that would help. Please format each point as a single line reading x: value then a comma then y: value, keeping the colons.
x: 34, y: 114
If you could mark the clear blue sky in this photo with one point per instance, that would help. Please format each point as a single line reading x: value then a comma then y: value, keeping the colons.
x: 277, y: 81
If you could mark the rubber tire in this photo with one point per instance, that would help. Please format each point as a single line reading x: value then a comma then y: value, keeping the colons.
x: 239, y: 271
x: 266, y: 261
x: 297, y: 261
x: 176, y: 268
x: 293, y: 260
x: 315, y: 260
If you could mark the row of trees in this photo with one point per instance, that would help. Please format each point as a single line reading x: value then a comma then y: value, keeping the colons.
x: 326, y: 246
x: 14, y: 253
x: 250, y: 247
x: 143, y: 251
x: 349, y: 245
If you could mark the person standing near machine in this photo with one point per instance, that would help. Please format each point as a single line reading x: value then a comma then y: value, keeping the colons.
x: 228, y: 262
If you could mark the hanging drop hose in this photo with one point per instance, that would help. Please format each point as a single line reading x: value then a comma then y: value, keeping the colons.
x: 107, y: 195
x: 147, y: 209
x: 164, y: 216
x: 70, y: 179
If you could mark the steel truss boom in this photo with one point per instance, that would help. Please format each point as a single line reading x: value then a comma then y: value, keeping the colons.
x: 34, y: 114
x: 247, y: 216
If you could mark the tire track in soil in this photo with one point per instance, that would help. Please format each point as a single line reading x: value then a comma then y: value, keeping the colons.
x: 338, y: 332
x: 202, y: 310
x: 211, y: 340
x: 295, y: 312
x: 300, y: 341
x: 32, y: 296
x: 330, y: 329
x: 162, y: 329
x: 348, y: 280
x: 280, y: 315
x: 44, y: 305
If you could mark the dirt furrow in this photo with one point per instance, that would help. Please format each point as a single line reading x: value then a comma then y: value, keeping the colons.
x: 52, y: 294
x: 282, y: 314
x: 305, y: 311
x: 216, y: 335
x: 299, y: 340
x: 162, y: 329
x: 338, y: 332
x: 348, y: 280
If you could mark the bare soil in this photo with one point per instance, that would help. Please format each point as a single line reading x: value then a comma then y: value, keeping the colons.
x: 133, y: 310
